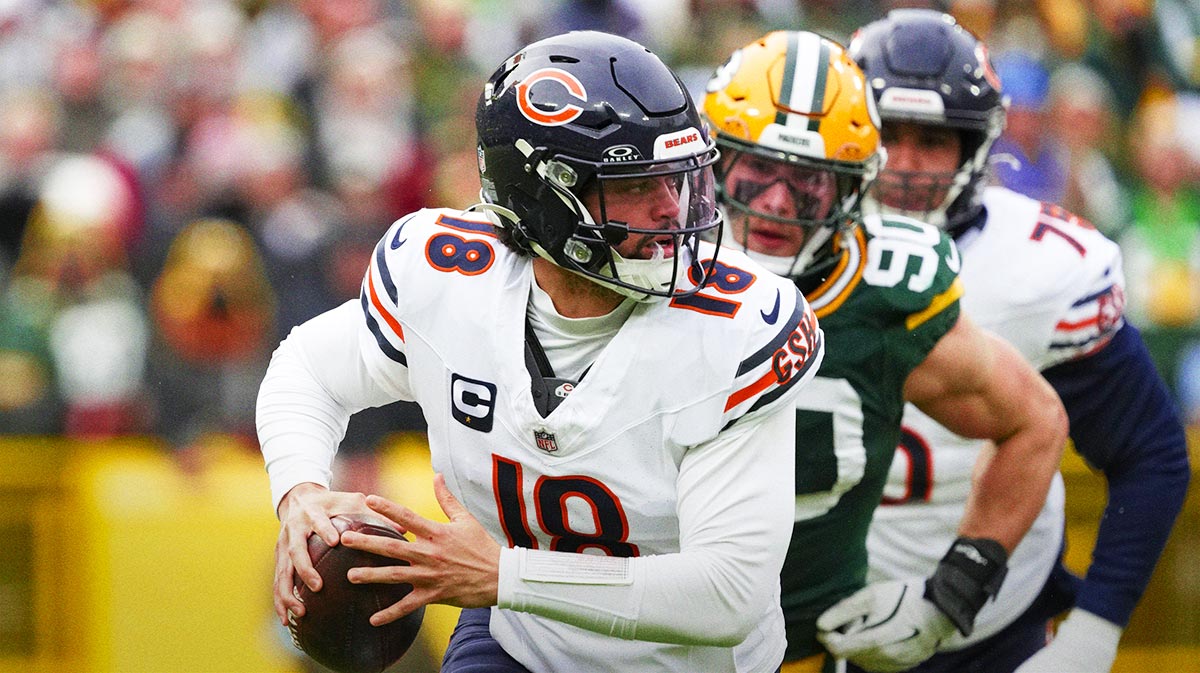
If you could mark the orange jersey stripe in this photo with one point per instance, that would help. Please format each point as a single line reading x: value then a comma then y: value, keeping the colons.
x: 751, y: 390
x: 387, y: 317
x: 1064, y: 325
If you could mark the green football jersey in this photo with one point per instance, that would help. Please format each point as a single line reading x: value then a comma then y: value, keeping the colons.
x: 883, y: 305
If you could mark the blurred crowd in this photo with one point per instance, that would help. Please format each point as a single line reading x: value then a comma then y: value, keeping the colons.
x: 183, y: 181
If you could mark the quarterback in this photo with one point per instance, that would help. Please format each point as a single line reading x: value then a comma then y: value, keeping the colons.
x: 610, y: 407
x: 800, y: 142
x: 1050, y: 284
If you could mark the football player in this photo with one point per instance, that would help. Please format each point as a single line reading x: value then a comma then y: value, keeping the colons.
x: 610, y: 406
x: 799, y: 137
x: 1051, y: 285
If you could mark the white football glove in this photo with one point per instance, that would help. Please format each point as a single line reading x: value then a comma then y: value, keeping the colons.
x: 885, y: 627
x: 1084, y: 643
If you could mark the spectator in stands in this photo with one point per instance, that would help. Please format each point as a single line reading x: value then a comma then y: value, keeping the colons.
x: 213, y: 314
x: 1081, y: 117
x: 1027, y: 158
x: 71, y: 284
x: 1162, y: 243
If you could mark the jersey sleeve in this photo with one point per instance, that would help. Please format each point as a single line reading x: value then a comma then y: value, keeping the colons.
x: 316, y: 379
x: 916, y: 269
x: 1091, y: 280
x: 382, y: 334
x: 342, y: 361
x: 782, y: 360
x: 1142, y: 451
x: 1094, y: 315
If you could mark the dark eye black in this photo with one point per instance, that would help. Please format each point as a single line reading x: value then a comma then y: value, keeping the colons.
x: 759, y: 165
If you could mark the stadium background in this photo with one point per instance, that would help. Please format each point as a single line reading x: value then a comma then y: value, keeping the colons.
x: 182, y: 182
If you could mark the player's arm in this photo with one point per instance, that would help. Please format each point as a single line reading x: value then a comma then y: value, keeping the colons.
x: 1142, y: 451
x: 734, y: 505
x: 735, y: 517
x: 315, y: 380
x: 977, y: 385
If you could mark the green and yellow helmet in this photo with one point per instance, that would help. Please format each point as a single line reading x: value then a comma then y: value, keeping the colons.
x: 796, y: 97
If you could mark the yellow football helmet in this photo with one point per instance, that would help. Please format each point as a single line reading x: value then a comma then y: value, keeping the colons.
x: 793, y: 105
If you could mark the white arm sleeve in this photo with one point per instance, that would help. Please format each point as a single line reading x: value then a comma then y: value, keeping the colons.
x: 315, y: 381
x: 735, y: 521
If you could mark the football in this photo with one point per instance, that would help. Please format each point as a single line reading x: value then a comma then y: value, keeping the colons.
x: 335, y: 629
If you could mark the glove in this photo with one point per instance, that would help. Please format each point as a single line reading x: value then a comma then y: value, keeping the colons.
x: 887, y: 626
x: 893, y: 626
x: 1085, y: 643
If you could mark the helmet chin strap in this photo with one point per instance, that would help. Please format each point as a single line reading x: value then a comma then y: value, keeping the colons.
x: 657, y: 272
x: 495, y: 214
x: 935, y: 217
x: 781, y: 266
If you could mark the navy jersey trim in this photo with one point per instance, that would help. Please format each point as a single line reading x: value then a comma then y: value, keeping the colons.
x: 385, y: 274
x: 387, y: 348
x: 763, y: 354
x: 1093, y: 297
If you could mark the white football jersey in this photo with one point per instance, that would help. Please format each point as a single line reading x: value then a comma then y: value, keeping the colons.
x: 444, y: 311
x: 1051, y: 285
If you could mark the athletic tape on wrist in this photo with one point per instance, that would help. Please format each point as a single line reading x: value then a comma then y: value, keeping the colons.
x: 966, y: 577
x: 563, y: 568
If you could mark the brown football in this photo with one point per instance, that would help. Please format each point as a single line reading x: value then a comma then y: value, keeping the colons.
x: 335, y: 629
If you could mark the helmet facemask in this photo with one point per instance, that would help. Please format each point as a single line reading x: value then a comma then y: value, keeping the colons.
x: 638, y: 226
x: 944, y: 199
x: 821, y: 198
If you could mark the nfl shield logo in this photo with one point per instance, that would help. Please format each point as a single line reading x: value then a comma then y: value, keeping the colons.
x: 545, y: 441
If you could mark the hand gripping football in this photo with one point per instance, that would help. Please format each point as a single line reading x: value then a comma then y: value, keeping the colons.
x: 335, y: 630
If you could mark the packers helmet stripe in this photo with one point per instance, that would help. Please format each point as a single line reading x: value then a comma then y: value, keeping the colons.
x: 818, y: 95
x: 789, y: 73
x: 799, y: 90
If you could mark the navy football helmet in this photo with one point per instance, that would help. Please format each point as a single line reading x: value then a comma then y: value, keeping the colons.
x: 925, y: 68
x: 585, y: 115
